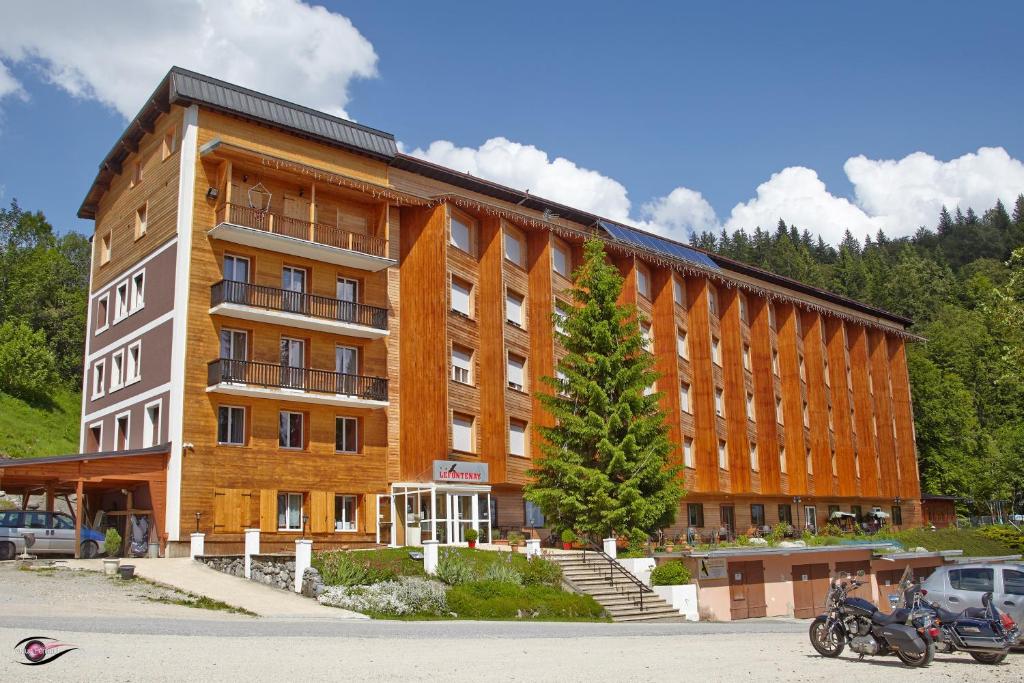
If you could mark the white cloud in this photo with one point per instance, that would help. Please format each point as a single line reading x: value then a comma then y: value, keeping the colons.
x: 524, y: 167
x: 677, y: 214
x: 116, y: 53
x: 910, y: 192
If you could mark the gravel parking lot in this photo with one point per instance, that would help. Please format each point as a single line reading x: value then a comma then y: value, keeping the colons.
x: 123, y: 635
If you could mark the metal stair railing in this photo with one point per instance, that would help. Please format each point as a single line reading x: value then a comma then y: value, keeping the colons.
x: 613, y: 568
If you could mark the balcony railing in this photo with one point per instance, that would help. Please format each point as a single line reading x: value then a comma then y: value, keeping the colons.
x: 320, y: 233
x: 270, y: 375
x: 273, y: 299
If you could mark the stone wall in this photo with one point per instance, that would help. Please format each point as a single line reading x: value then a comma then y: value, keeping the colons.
x: 277, y: 571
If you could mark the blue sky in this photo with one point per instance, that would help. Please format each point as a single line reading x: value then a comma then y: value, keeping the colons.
x: 714, y: 99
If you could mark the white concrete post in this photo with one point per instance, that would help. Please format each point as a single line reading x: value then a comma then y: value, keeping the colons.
x: 303, y: 560
x: 532, y: 547
x: 430, y: 556
x: 609, y: 547
x: 252, y: 547
x: 198, y: 545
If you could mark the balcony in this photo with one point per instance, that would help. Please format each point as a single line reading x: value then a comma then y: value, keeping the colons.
x: 268, y: 380
x: 297, y: 309
x: 318, y: 241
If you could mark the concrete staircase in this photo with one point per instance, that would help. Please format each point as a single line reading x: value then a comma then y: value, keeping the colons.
x: 587, y: 573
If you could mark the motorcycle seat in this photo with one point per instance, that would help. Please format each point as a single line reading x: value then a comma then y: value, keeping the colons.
x: 945, y: 616
x: 897, y: 616
x: 975, y: 613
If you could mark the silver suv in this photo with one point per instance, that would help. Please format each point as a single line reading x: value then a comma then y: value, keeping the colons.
x: 54, y: 534
x: 957, y: 587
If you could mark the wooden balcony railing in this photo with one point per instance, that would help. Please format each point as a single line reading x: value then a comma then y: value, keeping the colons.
x: 275, y: 376
x: 320, y: 233
x: 273, y: 299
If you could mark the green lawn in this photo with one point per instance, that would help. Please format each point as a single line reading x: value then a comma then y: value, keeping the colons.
x: 973, y: 542
x: 31, y: 431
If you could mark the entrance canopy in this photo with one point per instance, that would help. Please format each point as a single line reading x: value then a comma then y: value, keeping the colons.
x: 443, y: 512
x: 90, y: 475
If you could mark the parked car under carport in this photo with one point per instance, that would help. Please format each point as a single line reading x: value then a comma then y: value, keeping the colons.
x: 54, y: 534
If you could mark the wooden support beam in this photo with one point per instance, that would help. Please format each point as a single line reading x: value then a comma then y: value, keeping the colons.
x: 818, y: 403
x: 888, y: 468
x: 540, y: 304
x: 910, y: 484
x: 764, y: 395
x: 79, y: 513
x: 863, y: 411
x: 792, y: 398
x: 735, y: 391
x: 49, y: 496
x: 666, y: 357
x: 491, y: 320
x: 842, y: 420
x: 702, y: 386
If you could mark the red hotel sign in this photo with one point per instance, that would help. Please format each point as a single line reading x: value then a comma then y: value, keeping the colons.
x: 454, y: 470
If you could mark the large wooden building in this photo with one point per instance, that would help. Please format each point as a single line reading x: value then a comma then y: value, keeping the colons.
x: 335, y: 339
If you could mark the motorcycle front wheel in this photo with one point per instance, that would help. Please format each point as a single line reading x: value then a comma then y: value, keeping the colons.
x: 989, y: 657
x: 918, y: 660
x: 828, y: 641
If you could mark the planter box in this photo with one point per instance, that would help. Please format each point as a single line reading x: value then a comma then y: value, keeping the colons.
x: 640, y: 567
x: 682, y: 598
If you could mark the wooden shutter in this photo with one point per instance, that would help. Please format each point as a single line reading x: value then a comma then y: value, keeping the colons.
x: 247, y: 510
x: 368, y: 505
x: 268, y: 510
x: 318, y: 512
x: 219, y: 510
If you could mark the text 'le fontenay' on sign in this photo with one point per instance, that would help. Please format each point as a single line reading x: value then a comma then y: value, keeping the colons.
x: 456, y: 471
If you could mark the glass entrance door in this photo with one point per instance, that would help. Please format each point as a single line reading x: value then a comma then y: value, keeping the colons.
x: 463, y: 506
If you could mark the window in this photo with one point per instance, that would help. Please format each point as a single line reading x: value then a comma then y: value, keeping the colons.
x: 516, y: 372
x: 831, y: 509
x: 751, y: 415
x: 682, y: 347
x: 807, y: 419
x: 1013, y: 582
x: 515, y: 246
x: 782, y: 459
x: 561, y: 315
x: 292, y: 357
x: 121, y: 425
x: 803, y: 371
x: 643, y: 282
x: 133, y: 363
x: 560, y: 259
x: 646, y: 337
x: 99, y: 378
x: 462, y: 364
x: 679, y: 291
x: 775, y: 362
x: 810, y: 463
x: 695, y: 514
x: 534, y: 518
x: 723, y: 460
x: 236, y: 268
x: 746, y: 356
x: 462, y: 432
x: 754, y: 464
x: 462, y: 293
x: 95, y: 438
x: 347, y: 290
x: 138, y: 291
x: 778, y: 410
x: 345, y: 513
x: 141, y: 220
x: 786, y: 514
x: 346, y: 435
x: 771, y: 316
x: 712, y: 300
x: 462, y: 232
x: 136, y: 173
x: 117, y: 371
x: 828, y: 378
x: 289, y: 512
x: 688, y: 452
x: 151, y: 427
x: 517, y: 437
x: 744, y: 315
x: 981, y: 579
x: 563, y: 382
x: 105, y: 252
x: 719, y: 403
x: 234, y: 344
x: 346, y: 362
x: 231, y: 425
x: 293, y: 282
x: 684, y: 397
x: 121, y: 302
x: 856, y: 511
x: 290, y: 430
x: 716, y: 351
x: 514, y: 308
x: 897, y: 515
x: 757, y: 515
x: 170, y: 144
x: 102, y: 317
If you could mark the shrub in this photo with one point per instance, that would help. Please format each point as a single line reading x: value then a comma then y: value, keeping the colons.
x: 568, y: 536
x: 515, y: 538
x: 27, y: 366
x: 112, y: 543
x: 471, y: 535
x: 541, y: 572
x: 830, y: 529
x: 344, y: 568
x: 489, y: 600
x: 406, y: 596
x: 670, y: 574
x: 452, y: 568
x: 1007, y: 536
x: 503, y: 572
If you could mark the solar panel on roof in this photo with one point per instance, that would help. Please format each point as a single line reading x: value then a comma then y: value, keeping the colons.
x: 657, y: 244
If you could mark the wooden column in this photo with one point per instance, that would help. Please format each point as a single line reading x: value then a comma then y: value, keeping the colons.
x: 423, y: 427
x: 910, y: 483
x: 792, y: 399
x: 842, y: 423
x: 49, y: 496
x: 863, y: 410
x: 702, y: 386
x: 79, y: 512
x: 888, y: 469
x: 491, y: 319
x: 540, y: 305
x: 817, y: 403
x: 666, y: 356
x: 627, y: 267
x: 764, y: 395
x: 735, y: 390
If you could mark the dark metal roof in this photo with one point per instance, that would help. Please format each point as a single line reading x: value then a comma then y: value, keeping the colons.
x: 656, y: 243
x: 76, y: 457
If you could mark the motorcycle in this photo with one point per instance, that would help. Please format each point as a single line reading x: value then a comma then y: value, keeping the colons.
x: 909, y: 634
x: 985, y: 633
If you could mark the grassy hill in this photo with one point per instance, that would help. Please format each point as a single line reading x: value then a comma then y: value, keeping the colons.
x: 32, y: 430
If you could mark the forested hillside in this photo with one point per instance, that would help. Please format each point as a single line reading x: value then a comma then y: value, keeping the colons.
x: 43, y: 283
x: 963, y: 285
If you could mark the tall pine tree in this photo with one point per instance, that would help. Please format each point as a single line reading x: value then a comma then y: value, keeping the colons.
x: 604, y: 466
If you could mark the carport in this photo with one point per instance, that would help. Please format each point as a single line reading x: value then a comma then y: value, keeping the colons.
x: 136, y: 474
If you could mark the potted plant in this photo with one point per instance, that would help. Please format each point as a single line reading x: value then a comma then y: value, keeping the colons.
x: 568, y: 538
x: 515, y: 539
x: 112, y: 548
x: 471, y: 536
